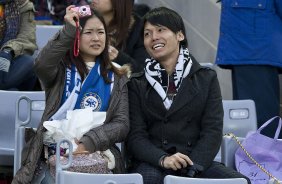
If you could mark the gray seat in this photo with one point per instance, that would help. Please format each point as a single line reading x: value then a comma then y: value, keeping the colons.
x: 66, y: 177
x: 169, y: 179
x: 33, y: 105
x: 239, y: 118
x: 208, y: 65
x: 43, y: 34
x: 8, y: 101
x: 228, y: 148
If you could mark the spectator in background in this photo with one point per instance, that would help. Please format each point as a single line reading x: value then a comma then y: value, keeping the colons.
x: 53, y: 11
x: 176, y: 113
x: 17, y: 44
x: 124, y: 29
x: 250, y: 45
x: 141, y: 9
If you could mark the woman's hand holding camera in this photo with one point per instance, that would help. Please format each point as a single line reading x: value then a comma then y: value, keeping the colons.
x: 176, y: 161
x: 71, y: 15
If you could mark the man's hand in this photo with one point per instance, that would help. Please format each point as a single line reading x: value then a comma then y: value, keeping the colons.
x: 176, y: 161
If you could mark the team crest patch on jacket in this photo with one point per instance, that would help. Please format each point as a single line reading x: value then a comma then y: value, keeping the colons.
x: 91, y: 100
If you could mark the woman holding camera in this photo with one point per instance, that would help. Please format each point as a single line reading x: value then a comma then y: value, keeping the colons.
x: 91, y: 73
x: 124, y: 29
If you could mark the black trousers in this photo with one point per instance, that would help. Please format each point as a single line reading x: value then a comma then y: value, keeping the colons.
x: 261, y: 84
x: 155, y: 175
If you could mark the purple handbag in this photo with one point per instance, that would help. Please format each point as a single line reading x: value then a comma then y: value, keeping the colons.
x: 260, y: 157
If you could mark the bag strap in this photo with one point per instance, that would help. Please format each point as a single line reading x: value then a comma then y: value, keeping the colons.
x: 248, y: 154
x: 270, y: 121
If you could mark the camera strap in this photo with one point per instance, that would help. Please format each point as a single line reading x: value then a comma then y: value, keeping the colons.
x: 76, y: 40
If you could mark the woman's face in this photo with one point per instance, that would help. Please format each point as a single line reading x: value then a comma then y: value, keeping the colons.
x: 92, y: 39
x: 103, y: 6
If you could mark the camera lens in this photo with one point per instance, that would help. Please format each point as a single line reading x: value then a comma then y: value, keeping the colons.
x: 192, y: 170
x: 83, y: 9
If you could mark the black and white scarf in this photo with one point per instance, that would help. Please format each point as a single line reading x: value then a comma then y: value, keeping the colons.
x: 159, y: 79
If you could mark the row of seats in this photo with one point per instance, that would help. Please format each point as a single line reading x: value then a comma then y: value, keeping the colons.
x: 29, y: 107
x: 239, y: 116
x: 66, y: 177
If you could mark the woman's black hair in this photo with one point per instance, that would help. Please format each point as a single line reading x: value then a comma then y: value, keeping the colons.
x: 105, y: 64
x: 169, y: 18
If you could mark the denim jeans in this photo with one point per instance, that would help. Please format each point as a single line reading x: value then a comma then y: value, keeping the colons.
x: 20, y: 76
x: 261, y: 84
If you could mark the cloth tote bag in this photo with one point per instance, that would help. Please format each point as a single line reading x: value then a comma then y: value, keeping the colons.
x: 260, y: 157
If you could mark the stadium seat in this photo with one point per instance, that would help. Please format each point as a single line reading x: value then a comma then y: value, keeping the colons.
x: 33, y: 104
x: 8, y: 101
x: 239, y: 118
x: 228, y: 148
x: 67, y: 177
x: 169, y: 179
x: 43, y: 34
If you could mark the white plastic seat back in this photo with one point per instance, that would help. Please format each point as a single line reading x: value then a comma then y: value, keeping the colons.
x: 228, y: 148
x: 33, y: 105
x: 8, y: 101
x: 43, y: 34
x: 208, y: 65
x: 239, y: 117
x: 169, y: 179
x: 66, y: 177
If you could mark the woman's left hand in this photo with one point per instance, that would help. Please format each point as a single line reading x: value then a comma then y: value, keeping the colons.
x: 80, y: 148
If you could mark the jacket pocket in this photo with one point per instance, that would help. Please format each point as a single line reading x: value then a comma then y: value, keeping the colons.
x: 253, y: 4
x: 248, y: 16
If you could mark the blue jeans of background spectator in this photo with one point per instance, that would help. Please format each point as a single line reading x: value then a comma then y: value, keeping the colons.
x: 20, y: 76
x: 261, y: 84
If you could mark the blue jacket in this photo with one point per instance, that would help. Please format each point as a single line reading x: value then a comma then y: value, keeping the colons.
x: 250, y: 33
